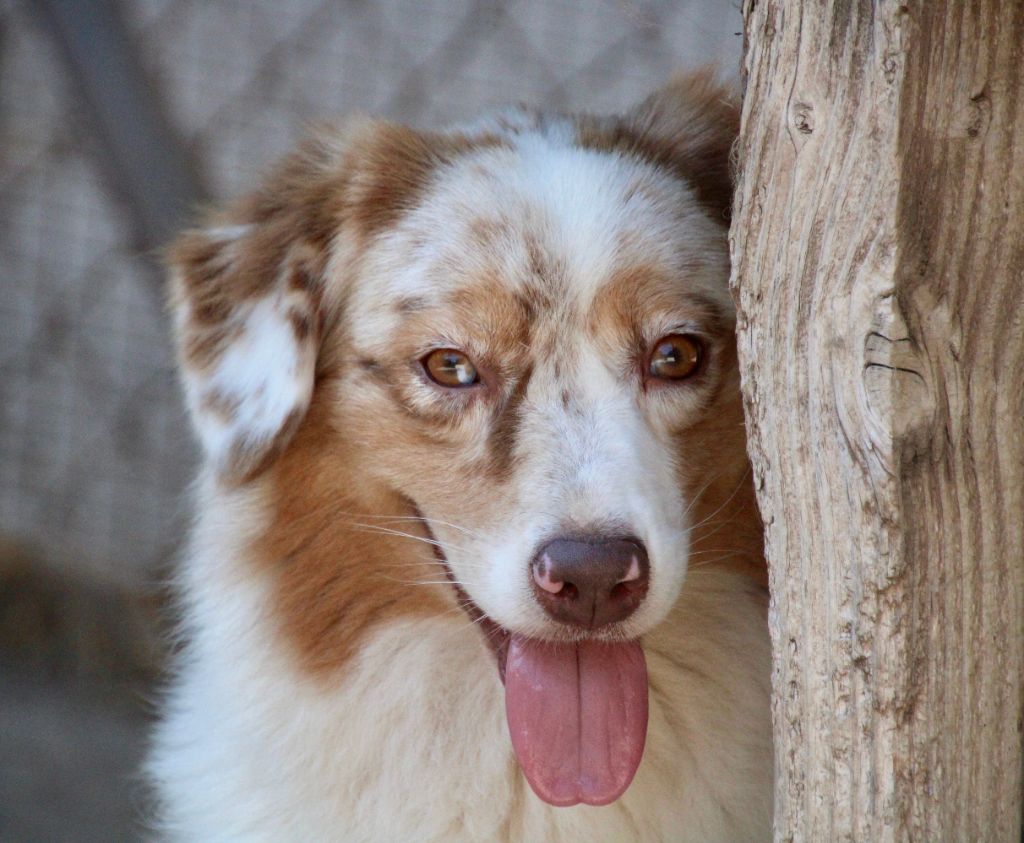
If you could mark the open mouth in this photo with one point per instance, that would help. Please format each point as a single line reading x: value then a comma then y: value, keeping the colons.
x: 576, y: 711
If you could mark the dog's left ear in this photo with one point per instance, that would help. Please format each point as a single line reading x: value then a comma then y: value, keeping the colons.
x: 690, y: 126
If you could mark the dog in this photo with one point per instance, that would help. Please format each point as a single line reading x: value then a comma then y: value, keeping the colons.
x: 477, y: 554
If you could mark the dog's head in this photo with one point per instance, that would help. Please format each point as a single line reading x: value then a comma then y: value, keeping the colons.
x: 515, y: 340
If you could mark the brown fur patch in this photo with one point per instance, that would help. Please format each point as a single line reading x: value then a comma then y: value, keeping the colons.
x: 423, y: 424
x: 727, y: 528
x: 302, y: 279
x: 501, y: 444
x: 493, y: 310
x: 219, y: 405
x: 202, y: 347
x: 643, y: 290
x: 486, y: 231
x: 294, y: 217
x: 410, y: 304
x: 302, y: 324
x: 337, y: 575
x: 288, y: 225
x: 548, y: 273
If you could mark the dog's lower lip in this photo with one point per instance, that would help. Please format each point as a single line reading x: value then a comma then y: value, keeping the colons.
x: 497, y: 636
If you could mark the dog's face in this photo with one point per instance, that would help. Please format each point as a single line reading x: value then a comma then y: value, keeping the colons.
x: 529, y: 349
x: 510, y: 345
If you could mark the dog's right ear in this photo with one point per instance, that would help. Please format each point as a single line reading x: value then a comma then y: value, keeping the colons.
x: 249, y: 290
x: 690, y: 125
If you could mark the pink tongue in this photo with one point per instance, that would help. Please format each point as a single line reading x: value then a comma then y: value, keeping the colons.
x: 577, y: 714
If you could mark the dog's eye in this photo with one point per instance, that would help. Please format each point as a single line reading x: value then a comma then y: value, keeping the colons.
x: 675, y: 357
x: 449, y: 367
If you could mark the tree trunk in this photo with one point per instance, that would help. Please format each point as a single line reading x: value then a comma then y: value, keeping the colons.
x: 878, y: 268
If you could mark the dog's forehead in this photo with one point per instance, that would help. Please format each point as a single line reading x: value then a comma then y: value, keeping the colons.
x: 544, y: 217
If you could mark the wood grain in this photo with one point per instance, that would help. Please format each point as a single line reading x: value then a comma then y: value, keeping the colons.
x: 878, y: 269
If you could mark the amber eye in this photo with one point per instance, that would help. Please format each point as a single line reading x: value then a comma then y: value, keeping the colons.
x: 451, y: 368
x: 675, y: 357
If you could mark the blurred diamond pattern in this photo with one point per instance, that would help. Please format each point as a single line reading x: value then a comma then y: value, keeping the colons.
x: 95, y: 450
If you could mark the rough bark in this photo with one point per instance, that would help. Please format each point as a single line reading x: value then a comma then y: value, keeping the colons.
x: 878, y: 268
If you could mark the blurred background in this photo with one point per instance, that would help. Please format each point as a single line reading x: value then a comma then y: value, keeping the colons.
x: 116, y: 121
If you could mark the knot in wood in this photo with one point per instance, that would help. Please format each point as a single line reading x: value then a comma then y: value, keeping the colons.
x: 898, y: 392
x: 978, y: 115
x: 803, y: 117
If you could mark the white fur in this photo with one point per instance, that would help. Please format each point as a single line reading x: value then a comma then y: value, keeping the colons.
x: 229, y: 233
x: 264, y: 376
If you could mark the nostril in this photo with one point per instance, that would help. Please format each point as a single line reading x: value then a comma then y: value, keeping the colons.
x: 634, y: 570
x: 542, y: 576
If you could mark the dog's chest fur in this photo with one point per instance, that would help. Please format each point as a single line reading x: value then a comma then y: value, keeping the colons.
x: 411, y: 744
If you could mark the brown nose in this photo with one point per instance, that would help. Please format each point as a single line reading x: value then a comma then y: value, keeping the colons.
x: 590, y: 583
